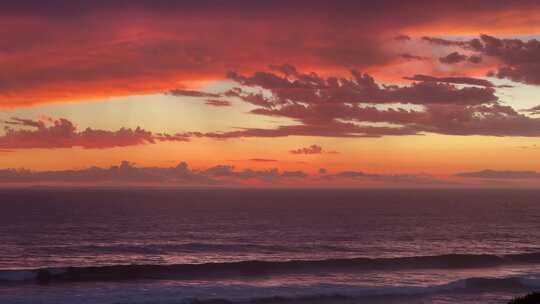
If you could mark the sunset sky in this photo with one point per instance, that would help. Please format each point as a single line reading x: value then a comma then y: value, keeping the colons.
x: 270, y: 94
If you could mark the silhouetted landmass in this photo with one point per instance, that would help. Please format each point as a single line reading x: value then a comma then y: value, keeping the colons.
x: 532, y: 298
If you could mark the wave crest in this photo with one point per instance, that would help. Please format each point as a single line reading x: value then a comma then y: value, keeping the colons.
x: 259, y: 268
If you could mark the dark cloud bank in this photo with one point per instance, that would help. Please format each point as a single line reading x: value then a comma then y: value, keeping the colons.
x: 498, y: 174
x: 181, y: 175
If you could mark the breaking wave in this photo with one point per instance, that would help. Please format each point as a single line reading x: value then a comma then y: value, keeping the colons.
x: 261, y: 268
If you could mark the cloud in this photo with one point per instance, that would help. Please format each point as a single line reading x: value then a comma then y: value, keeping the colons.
x: 311, y: 88
x: 494, y: 174
x: 455, y: 80
x: 65, y: 51
x: 263, y: 160
x: 456, y: 57
x: 218, y: 103
x: 533, y: 110
x: 127, y: 173
x: 489, y: 120
x: 443, y: 42
x: 518, y: 60
x: 211, y: 97
x: 190, y: 93
x: 529, y: 74
x: 270, y: 175
x: 62, y: 133
x: 332, y: 129
x: 179, y: 137
x: 475, y: 59
x: 452, y: 58
x: 402, y: 37
x: 417, y: 179
x: 408, y: 56
x: 534, y: 147
x: 313, y: 149
x: 521, y: 59
x: 351, y: 107
x: 320, y: 106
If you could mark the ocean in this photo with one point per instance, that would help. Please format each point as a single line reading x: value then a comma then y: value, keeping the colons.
x: 268, y: 246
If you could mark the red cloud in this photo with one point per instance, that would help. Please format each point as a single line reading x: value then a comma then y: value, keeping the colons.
x: 81, y: 50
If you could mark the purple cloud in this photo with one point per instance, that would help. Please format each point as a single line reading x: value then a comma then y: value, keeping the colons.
x: 453, y: 58
x: 62, y: 133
